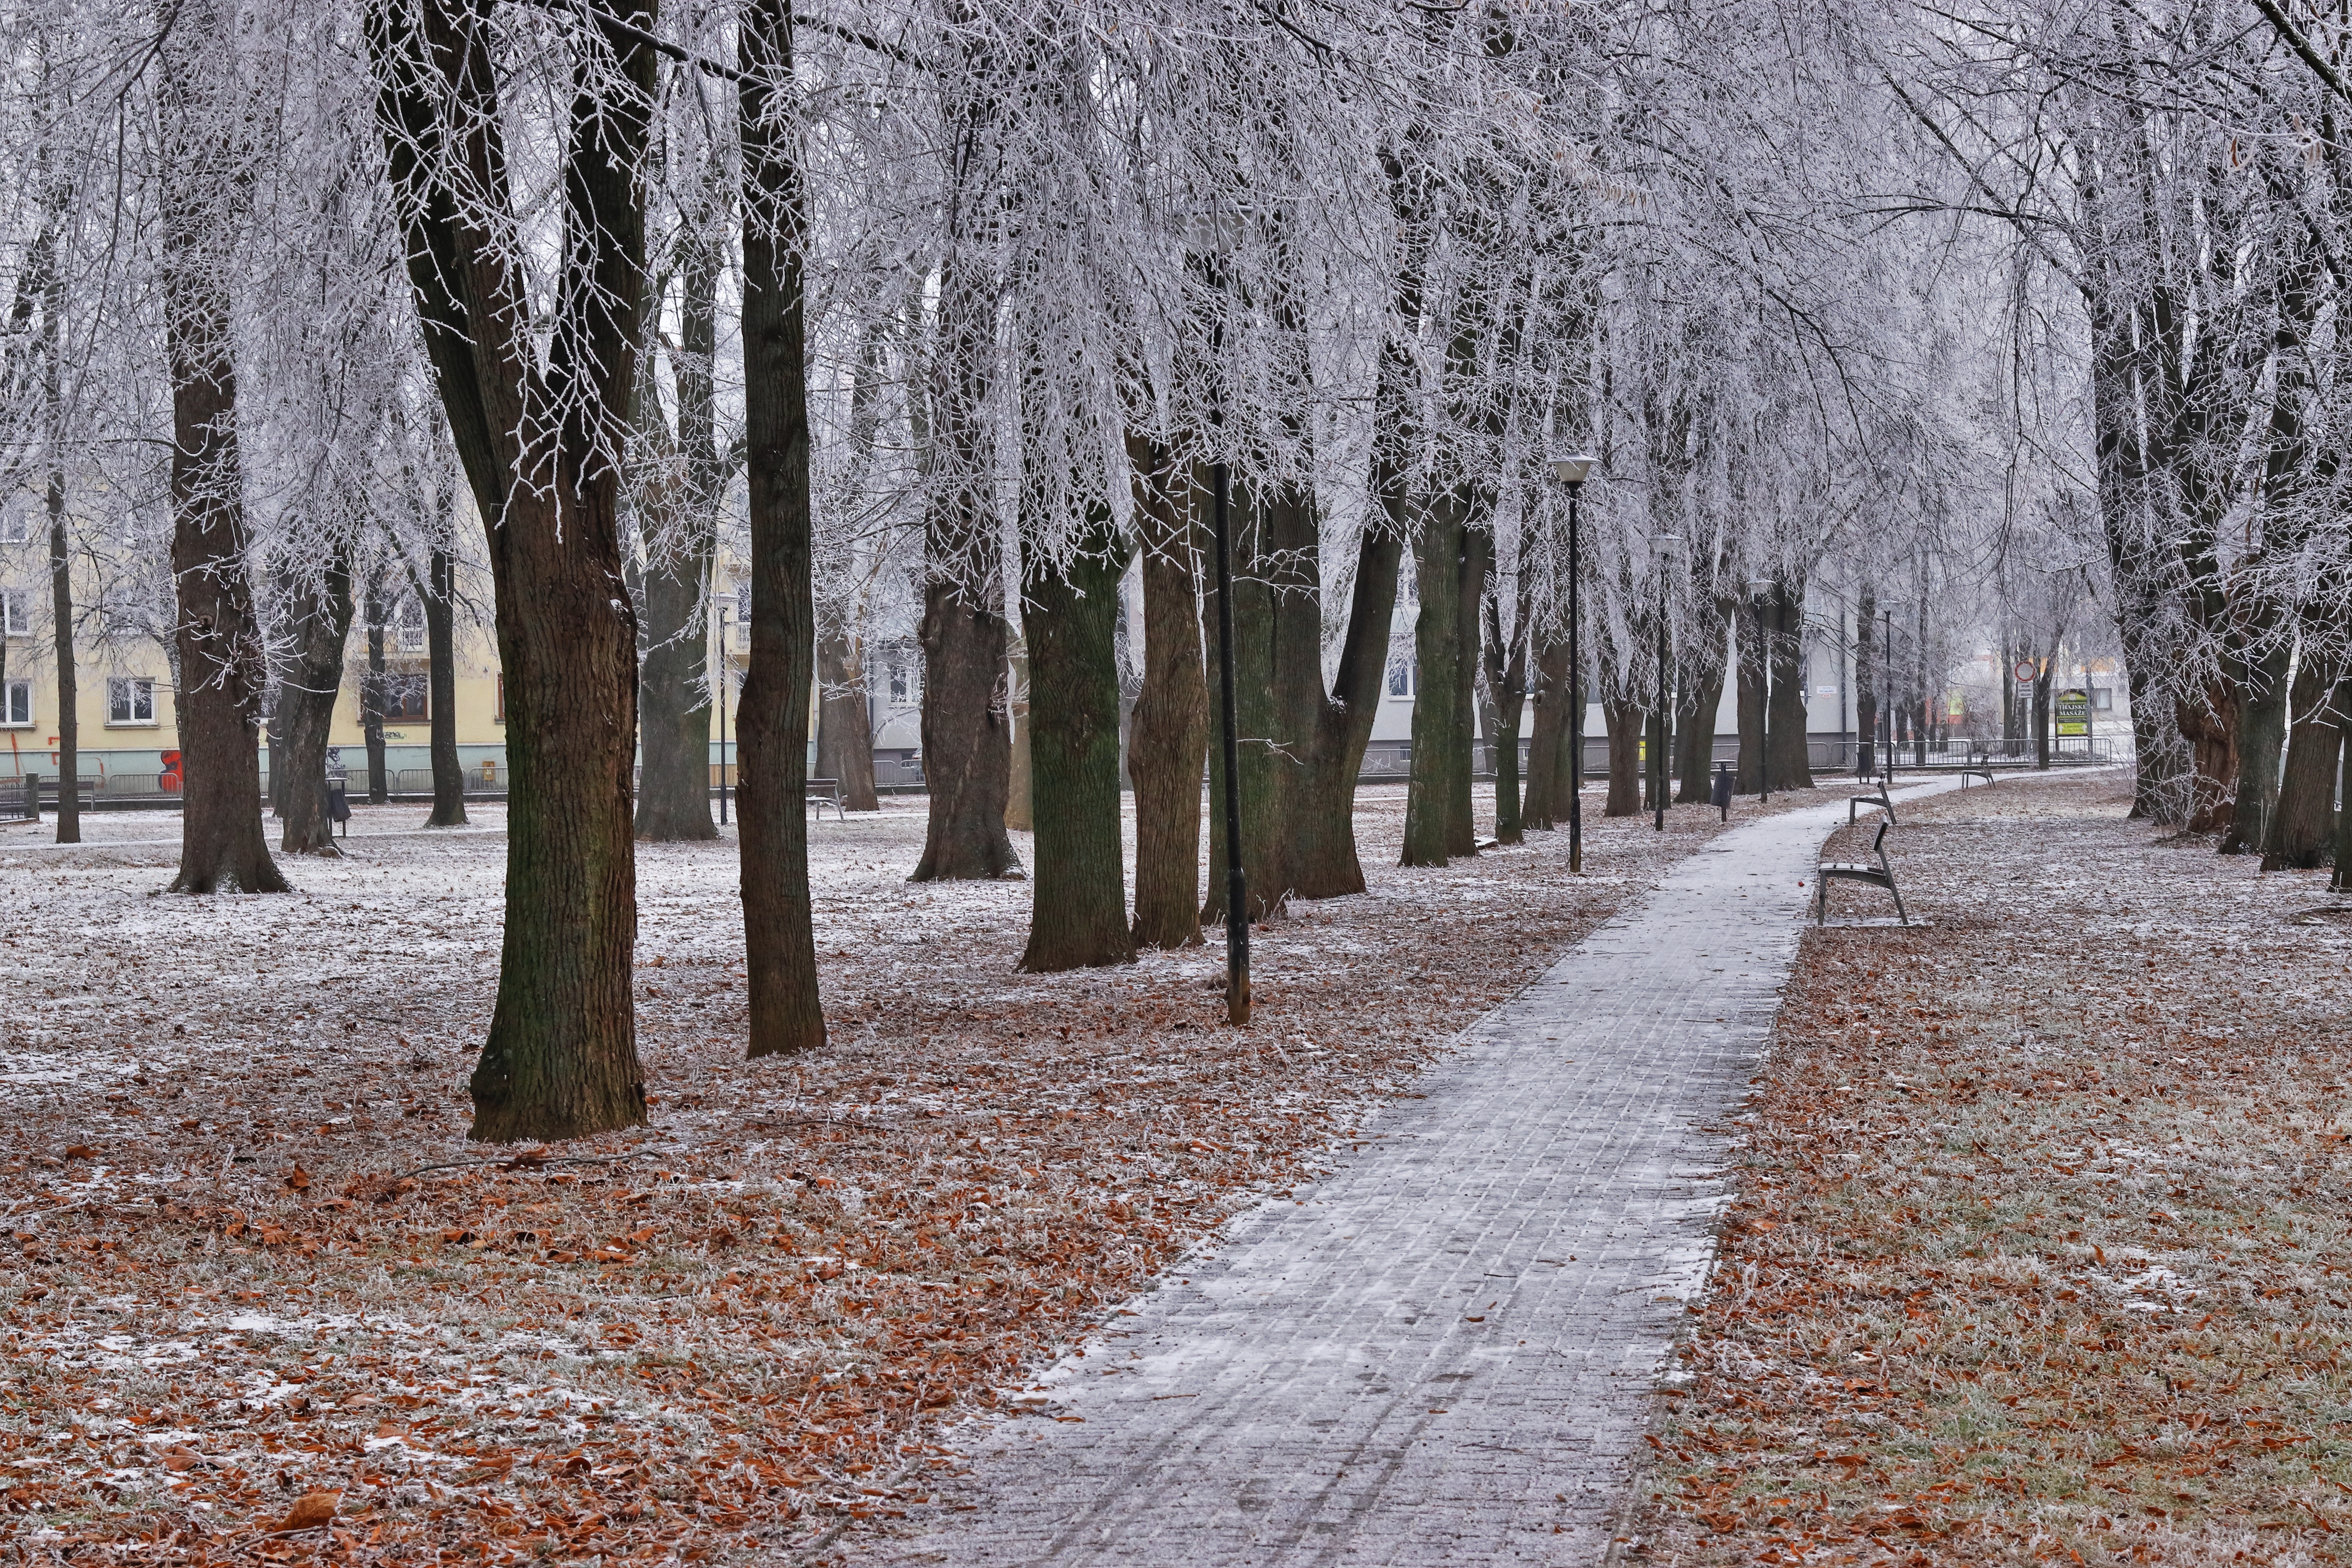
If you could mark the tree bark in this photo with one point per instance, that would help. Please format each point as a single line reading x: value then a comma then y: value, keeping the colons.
x: 46, y: 279
x: 1624, y: 721
x: 1169, y: 735
x: 845, y: 726
x: 1547, y: 772
x: 222, y: 663
x: 1442, y: 559
x: 1791, y: 753
x: 779, y: 933
x: 2260, y: 740
x: 532, y: 427
x: 1507, y: 679
x: 312, y: 680
x: 1752, y: 639
x: 2302, y: 829
x: 441, y: 656
x: 1705, y: 671
x: 1069, y: 621
x: 61, y: 611
x: 966, y: 719
x: 674, y: 793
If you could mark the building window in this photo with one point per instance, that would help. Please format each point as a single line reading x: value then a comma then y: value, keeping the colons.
x: 17, y: 520
x: 743, y: 614
x: 408, y: 622
x: 16, y: 703
x: 499, y: 716
x: 906, y: 685
x: 1400, y: 677
x: 2103, y: 698
x: 404, y: 698
x: 16, y: 612
x: 130, y: 699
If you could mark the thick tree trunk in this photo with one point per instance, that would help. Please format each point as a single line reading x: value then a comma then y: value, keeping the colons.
x: 1069, y: 619
x: 1506, y: 681
x: 1547, y: 772
x: 1791, y: 754
x: 967, y: 726
x: 967, y: 712
x: 441, y: 657
x: 560, y: 1060
x: 779, y: 942
x: 2302, y: 831
x: 845, y: 726
x: 313, y: 678
x: 674, y: 788
x: 1752, y: 639
x: 61, y: 611
x: 221, y: 664
x: 1441, y: 556
x: 682, y: 540
x: 1624, y: 722
x: 1169, y: 735
x: 2261, y: 747
x: 372, y: 690
x: 1319, y: 817
x: 1704, y: 673
x: 2208, y: 722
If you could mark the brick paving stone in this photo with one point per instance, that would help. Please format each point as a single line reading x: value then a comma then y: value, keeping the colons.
x: 1441, y: 1354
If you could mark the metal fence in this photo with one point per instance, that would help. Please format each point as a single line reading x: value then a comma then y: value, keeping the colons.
x: 2065, y: 751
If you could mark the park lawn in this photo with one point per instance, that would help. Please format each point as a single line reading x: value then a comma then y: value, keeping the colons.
x: 2043, y: 1241
x: 254, y: 1262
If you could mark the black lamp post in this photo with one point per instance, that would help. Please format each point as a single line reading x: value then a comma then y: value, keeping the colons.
x: 1210, y: 242
x: 1572, y: 470
x: 1661, y: 549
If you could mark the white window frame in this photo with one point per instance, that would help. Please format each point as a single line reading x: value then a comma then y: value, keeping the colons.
x: 16, y: 611
x: 1402, y: 669
x: 123, y: 693
x: 8, y: 692
x: 16, y: 522
x: 409, y: 625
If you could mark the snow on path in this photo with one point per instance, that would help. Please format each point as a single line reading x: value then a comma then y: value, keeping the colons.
x: 1443, y: 1354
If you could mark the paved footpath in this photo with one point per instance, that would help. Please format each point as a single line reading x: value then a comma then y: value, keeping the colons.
x: 1442, y: 1355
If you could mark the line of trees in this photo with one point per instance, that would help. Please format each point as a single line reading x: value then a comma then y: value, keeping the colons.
x: 954, y: 319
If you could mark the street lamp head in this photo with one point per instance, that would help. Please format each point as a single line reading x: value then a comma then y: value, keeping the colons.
x: 1571, y: 467
x: 1664, y: 545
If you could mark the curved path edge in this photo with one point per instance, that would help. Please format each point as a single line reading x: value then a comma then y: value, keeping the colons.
x: 1443, y: 1352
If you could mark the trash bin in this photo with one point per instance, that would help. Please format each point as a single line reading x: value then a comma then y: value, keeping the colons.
x: 1721, y: 794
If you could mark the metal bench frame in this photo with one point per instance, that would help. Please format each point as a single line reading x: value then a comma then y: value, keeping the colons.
x: 1855, y: 804
x: 1879, y: 876
x: 822, y: 792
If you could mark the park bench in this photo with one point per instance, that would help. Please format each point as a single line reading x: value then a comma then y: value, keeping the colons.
x: 1974, y: 772
x: 1879, y: 876
x: 1855, y: 804
x: 822, y: 793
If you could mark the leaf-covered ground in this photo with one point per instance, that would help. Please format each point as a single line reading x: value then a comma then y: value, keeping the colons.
x: 263, y: 1302
x: 2043, y: 1249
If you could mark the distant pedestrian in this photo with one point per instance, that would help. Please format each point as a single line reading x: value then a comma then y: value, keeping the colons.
x: 338, y: 788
